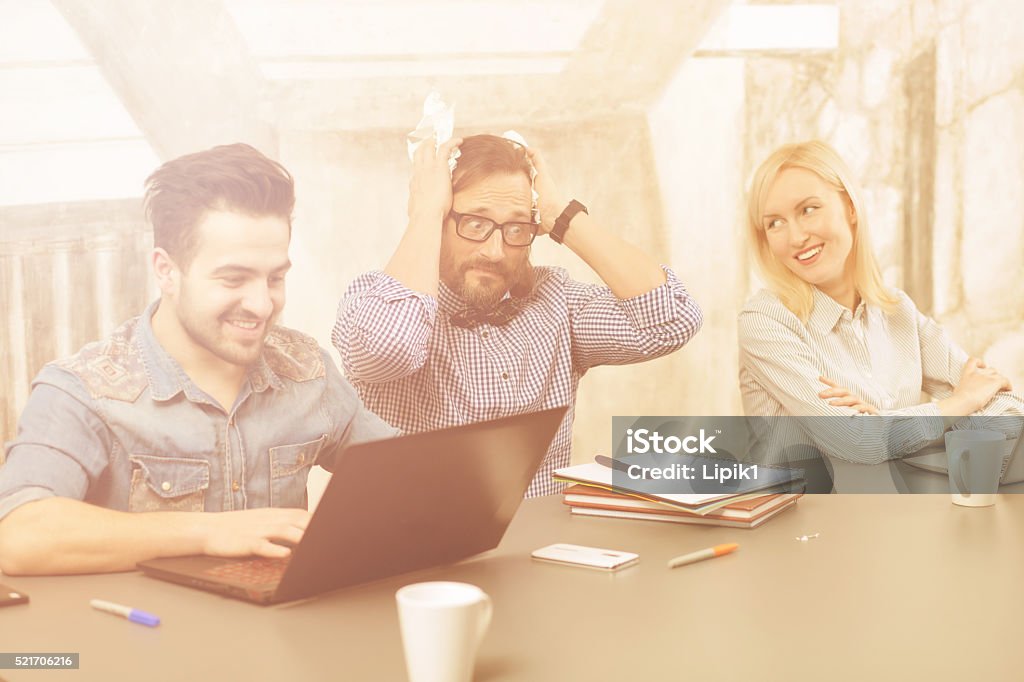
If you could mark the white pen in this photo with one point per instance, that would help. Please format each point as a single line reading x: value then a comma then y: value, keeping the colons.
x: 700, y: 555
x: 134, y: 615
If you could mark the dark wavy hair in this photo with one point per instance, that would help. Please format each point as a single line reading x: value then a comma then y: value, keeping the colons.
x: 481, y: 156
x: 233, y: 177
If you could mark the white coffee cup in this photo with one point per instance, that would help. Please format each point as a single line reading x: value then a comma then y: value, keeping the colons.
x: 442, y: 625
x: 975, y: 461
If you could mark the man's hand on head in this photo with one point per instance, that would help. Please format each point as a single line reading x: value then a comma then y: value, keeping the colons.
x: 626, y: 269
x: 550, y: 200
x: 415, y: 263
x: 254, y: 531
x: 430, y: 189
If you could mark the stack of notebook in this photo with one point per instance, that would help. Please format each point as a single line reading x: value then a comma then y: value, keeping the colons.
x: 749, y: 507
x: 749, y: 512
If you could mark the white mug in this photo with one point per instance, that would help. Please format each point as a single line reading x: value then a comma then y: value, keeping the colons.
x: 975, y: 461
x: 442, y: 625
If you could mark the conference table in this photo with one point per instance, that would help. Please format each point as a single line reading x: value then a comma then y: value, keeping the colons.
x: 893, y: 587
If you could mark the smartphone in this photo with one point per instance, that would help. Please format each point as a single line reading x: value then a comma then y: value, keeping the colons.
x: 10, y: 596
x: 589, y: 557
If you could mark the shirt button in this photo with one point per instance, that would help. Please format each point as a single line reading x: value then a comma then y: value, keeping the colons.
x: 165, y: 486
x: 300, y: 459
x: 504, y: 375
x: 235, y: 486
x: 485, y: 334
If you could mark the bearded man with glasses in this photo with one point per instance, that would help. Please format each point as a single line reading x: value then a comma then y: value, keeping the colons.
x: 460, y: 327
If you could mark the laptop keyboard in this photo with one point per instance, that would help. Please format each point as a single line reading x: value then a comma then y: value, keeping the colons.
x: 251, y: 572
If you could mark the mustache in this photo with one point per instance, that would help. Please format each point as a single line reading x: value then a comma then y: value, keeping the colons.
x: 481, y: 264
x: 242, y: 316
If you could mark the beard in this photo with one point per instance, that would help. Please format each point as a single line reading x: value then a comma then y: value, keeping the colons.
x: 486, y: 293
x: 208, y: 331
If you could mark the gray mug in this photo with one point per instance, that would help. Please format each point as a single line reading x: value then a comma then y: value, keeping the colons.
x: 975, y: 461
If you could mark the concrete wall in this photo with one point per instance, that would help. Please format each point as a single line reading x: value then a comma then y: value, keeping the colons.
x: 925, y: 100
x: 697, y: 128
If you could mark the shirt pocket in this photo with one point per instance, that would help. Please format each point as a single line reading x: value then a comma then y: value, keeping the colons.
x: 289, y: 470
x: 168, y: 483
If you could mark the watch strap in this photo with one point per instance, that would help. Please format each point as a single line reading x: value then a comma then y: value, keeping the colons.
x: 562, y: 222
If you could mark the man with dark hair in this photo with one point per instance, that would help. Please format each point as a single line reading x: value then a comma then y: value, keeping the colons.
x: 199, y: 404
x: 460, y: 327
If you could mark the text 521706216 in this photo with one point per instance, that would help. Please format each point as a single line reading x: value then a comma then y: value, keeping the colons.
x: 38, y: 661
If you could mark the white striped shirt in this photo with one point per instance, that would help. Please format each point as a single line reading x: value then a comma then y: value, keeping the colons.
x: 887, y: 359
x: 418, y: 371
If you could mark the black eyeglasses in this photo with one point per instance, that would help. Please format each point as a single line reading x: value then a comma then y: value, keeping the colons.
x: 479, y: 229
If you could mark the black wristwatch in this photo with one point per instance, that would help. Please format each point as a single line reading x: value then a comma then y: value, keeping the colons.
x: 562, y: 222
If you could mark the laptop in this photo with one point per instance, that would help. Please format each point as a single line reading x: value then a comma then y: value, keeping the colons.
x: 937, y: 462
x: 392, y: 506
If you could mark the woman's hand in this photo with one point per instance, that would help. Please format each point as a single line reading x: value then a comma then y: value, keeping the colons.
x: 840, y: 396
x: 979, y: 383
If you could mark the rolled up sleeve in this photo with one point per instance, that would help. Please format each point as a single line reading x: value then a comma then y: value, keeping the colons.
x: 61, y: 447
x: 382, y: 328
x: 607, y: 330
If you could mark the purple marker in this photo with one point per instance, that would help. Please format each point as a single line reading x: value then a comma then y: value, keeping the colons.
x: 134, y: 615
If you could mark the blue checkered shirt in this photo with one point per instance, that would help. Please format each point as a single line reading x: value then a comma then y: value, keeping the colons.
x: 418, y: 371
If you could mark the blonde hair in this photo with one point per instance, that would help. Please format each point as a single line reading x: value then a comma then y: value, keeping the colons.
x: 796, y: 294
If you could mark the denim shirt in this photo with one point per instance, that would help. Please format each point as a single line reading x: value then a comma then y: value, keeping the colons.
x: 121, y: 425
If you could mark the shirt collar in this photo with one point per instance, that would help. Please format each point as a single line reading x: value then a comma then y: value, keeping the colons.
x: 166, y: 376
x: 827, y: 312
x: 261, y: 377
x: 447, y: 300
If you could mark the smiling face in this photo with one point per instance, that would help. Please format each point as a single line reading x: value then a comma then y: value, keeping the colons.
x: 808, y: 226
x: 232, y: 290
x: 482, y: 272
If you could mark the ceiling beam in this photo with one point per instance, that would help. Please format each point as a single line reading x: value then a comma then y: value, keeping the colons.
x: 624, y: 61
x: 633, y: 48
x: 181, y: 68
x: 397, y: 102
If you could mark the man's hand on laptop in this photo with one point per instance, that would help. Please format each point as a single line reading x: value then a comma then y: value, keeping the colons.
x: 254, y: 531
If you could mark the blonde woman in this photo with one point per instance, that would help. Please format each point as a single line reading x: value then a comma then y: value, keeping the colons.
x: 827, y: 338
